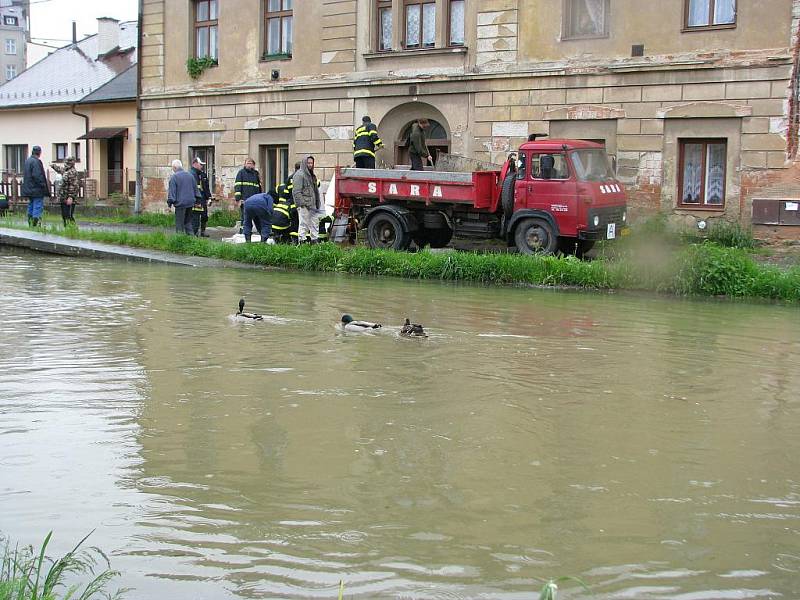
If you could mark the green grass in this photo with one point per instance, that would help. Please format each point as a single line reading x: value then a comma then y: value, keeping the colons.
x: 220, y: 218
x: 701, y: 269
x: 29, y: 574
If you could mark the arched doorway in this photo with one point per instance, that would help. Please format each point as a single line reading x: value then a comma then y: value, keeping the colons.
x: 395, y: 126
x: 437, y: 140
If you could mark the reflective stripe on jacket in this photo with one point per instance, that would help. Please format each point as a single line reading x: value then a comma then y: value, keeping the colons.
x: 248, y: 183
x: 366, y: 140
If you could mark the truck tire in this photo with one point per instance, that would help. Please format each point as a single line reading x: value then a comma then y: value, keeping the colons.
x: 535, y: 236
x: 507, y: 194
x: 385, y: 231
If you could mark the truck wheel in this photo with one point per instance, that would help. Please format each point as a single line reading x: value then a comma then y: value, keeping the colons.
x: 507, y: 194
x: 535, y: 236
x: 385, y: 231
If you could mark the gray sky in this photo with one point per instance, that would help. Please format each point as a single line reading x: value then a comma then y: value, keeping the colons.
x: 53, y: 19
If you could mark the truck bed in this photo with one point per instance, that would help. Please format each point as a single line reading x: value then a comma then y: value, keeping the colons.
x: 478, y: 189
x: 429, y: 176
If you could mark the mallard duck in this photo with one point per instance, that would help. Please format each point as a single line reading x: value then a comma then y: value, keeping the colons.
x: 348, y: 324
x: 410, y: 329
x: 245, y: 315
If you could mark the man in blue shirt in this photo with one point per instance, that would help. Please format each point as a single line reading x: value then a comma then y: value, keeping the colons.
x: 258, y: 210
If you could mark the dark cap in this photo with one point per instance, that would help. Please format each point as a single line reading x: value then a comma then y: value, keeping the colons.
x: 36, y: 150
x: 366, y: 119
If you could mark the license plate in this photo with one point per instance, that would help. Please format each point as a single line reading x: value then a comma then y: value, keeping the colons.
x: 611, y: 231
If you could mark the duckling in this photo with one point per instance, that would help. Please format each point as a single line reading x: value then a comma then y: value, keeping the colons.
x: 245, y: 315
x: 348, y: 324
x: 412, y: 330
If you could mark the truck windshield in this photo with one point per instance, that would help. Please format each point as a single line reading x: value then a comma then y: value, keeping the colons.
x: 592, y: 165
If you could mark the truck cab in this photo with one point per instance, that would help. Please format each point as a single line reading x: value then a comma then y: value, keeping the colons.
x: 565, y: 197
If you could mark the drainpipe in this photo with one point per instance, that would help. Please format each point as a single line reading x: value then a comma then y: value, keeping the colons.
x: 86, y: 127
x: 137, y: 203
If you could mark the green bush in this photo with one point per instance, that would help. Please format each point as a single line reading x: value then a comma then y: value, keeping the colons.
x: 731, y: 235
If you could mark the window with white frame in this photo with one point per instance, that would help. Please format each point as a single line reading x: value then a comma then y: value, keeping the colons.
x: 585, y: 18
x: 12, y: 21
x: 11, y: 46
x: 11, y: 72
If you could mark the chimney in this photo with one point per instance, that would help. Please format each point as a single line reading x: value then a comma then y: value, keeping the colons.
x: 74, y: 32
x: 107, y: 35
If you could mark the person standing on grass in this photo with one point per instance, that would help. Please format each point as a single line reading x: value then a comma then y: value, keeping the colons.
x: 248, y: 183
x: 183, y: 194
x: 35, y: 186
x: 418, y: 148
x: 68, y: 190
x: 305, y: 192
x: 200, y: 210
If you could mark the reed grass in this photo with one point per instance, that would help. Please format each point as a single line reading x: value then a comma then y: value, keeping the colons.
x: 28, y: 574
x: 701, y: 269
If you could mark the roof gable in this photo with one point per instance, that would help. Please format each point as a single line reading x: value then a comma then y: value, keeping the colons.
x: 70, y: 73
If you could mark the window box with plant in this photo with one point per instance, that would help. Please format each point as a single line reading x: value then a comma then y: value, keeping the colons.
x: 196, y: 66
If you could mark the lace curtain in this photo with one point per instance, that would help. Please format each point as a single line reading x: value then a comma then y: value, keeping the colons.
x: 692, y: 173
x: 587, y: 17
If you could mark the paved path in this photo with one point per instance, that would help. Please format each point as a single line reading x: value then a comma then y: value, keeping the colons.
x: 54, y: 244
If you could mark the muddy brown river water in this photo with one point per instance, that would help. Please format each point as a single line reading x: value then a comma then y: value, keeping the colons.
x: 650, y: 446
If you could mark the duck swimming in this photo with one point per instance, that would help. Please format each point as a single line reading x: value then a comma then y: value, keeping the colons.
x: 410, y: 329
x: 245, y: 315
x: 348, y: 324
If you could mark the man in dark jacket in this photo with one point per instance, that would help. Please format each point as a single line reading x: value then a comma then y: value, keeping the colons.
x: 248, y: 183
x: 366, y: 142
x: 418, y: 149
x: 200, y: 209
x: 183, y: 194
x: 35, y: 186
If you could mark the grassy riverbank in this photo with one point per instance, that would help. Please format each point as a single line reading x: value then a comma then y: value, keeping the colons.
x: 702, y: 269
x: 27, y: 573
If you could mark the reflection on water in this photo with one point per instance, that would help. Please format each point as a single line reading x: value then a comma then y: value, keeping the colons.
x: 646, y: 445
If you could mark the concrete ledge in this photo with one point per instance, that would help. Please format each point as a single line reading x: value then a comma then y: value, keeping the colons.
x: 54, y: 244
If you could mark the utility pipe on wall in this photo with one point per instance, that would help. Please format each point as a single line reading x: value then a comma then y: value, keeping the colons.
x: 137, y: 203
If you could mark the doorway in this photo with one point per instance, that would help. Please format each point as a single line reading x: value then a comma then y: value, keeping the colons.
x: 205, y: 154
x: 114, y: 164
x: 274, y: 165
x: 436, y: 140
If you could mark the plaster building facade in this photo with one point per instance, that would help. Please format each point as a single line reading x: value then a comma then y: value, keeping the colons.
x: 697, y: 100
x: 14, y: 38
x: 79, y: 101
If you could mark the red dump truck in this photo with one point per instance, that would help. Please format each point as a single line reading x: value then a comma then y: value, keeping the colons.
x: 552, y: 195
